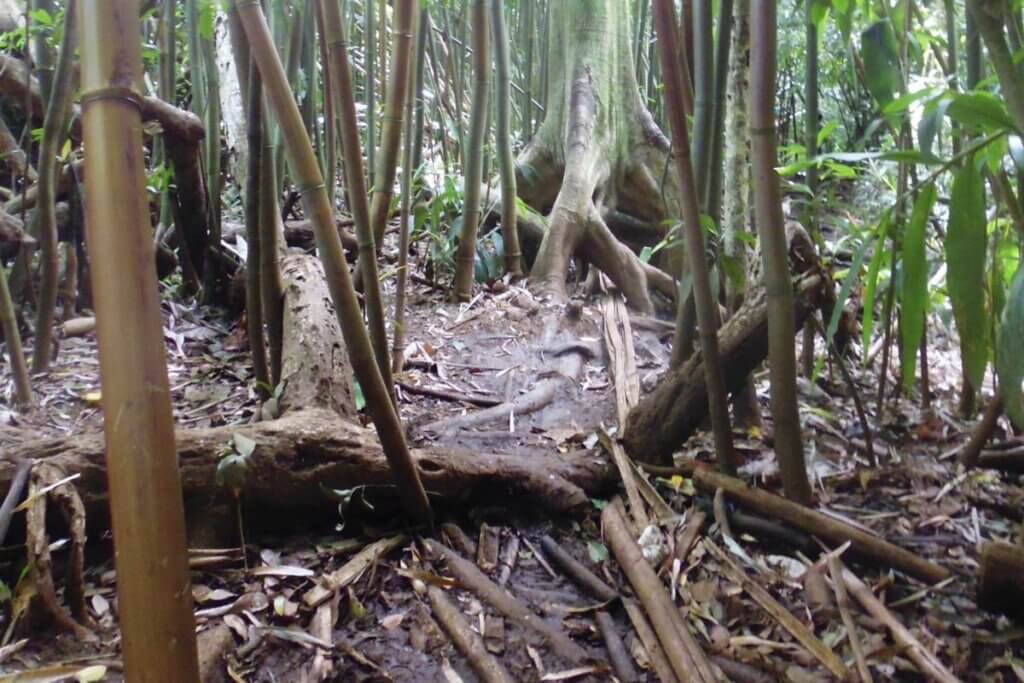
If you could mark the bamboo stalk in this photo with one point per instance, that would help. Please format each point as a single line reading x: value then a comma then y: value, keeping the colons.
x: 12, y: 336
x: 706, y: 305
x: 474, y: 151
x: 345, y: 109
x: 155, y: 602
x: 253, y: 205
x: 771, y: 225
x: 306, y: 171
x: 503, y: 135
x: 54, y: 131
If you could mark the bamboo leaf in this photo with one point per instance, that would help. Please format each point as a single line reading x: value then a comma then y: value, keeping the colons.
x: 881, y: 61
x: 979, y: 110
x: 1009, y: 361
x: 914, y: 301
x: 871, y: 284
x: 965, y: 269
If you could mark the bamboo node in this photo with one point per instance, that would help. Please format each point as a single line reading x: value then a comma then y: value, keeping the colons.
x: 114, y: 92
x: 303, y: 190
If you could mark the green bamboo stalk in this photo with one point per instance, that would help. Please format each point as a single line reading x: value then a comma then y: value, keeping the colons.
x: 503, y: 138
x: 54, y: 133
x: 771, y: 225
x: 306, y: 171
x: 394, y: 106
x: 527, y: 36
x: 345, y: 109
x: 703, y: 96
x: 154, y: 598
x: 253, y: 233
x: 370, y: 92
x: 424, y: 27
x: 706, y: 305
x: 474, y: 151
x: 12, y: 336
x: 405, y: 221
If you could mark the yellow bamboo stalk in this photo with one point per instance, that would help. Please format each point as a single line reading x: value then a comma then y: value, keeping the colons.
x: 306, y: 171
x: 155, y: 601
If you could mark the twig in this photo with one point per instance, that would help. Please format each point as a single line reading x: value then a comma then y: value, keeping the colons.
x: 455, y: 396
x: 858, y: 404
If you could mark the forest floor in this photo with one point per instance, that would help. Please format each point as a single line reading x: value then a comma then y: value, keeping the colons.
x: 271, y: 622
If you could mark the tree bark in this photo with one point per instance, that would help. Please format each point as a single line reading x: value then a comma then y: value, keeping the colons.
x: 303, y: 453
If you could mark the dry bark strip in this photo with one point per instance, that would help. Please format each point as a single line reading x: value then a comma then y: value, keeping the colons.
x: 474, y: 580
x: 866, y: 545
x: 468, y: 642
x: 843, y: 603
x: 684, y: 654
x: 299, y: 454
x: 794, y: 626
x: 655, y: 653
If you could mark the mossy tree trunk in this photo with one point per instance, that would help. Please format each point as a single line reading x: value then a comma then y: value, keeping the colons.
x: 598, y: 150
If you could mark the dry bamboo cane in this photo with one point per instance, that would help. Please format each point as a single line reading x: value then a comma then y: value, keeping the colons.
x: 345, y: 110
x: 155, y: 602
x: 306, y: 170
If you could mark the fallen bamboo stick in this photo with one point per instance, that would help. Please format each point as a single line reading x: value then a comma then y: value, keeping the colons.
x: 580, y: 575
x: 475, y: 581
x: 686, y: 657
x: 468, y: 642
x: 618, y: 657
x: 926, y: 662
x: 864, y: 544
x: 655, y: 653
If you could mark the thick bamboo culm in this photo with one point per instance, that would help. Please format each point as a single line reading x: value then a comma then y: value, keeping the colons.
x: 306, y: 171
x: 154, y: 599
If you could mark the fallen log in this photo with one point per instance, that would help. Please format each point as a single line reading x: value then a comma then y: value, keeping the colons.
x: 299, y: 455
x: 863, y: 544
x: 299, y: 234
x: 1001, y: 579
x: 669, y: 415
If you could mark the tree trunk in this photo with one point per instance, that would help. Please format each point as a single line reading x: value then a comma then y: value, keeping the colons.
x: 598, y: 150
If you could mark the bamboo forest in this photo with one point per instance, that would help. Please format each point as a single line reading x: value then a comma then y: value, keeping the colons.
x: 511, y: 340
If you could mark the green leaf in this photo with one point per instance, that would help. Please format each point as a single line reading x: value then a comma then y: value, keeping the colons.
x: 871, y: 284
x: 965, y: 268
x: 357, y: 395
x: 41, y: 17
x: 931, y: 124
x: 243, y: 444
x: 881, y: 61
x: 914, y: 302
x: 979, y: 110
x: 852, y: 275
x: 1009, y: 360
x: 598, y: 551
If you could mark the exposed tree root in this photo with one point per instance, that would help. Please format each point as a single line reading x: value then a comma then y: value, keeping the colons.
x: 299, y: 455
x: 666, y: 417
